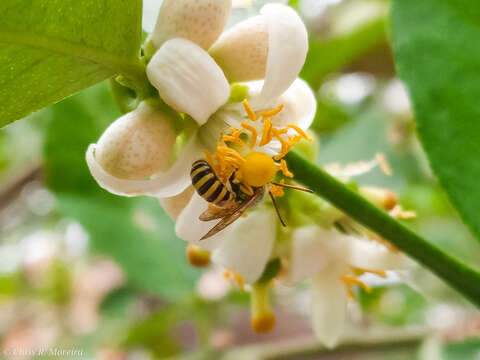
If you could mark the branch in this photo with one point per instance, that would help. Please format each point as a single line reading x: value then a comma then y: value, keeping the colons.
x: 309, y: 347
x: 460, y: 276
x: 10, y: 190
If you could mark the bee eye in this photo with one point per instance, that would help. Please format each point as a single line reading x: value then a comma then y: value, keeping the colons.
x: 258, y: 169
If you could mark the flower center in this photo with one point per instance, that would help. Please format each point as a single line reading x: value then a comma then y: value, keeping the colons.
x: 258, y: 169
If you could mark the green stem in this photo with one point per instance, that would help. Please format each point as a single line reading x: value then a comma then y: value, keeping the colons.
x: 461, y: 277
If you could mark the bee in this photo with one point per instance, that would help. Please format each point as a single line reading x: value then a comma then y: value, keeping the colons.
x: 229, y: 200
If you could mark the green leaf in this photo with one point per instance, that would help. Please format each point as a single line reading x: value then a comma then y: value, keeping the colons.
x: 50, y: 49
x: 438, y: 56
x: 327, y: 55
x: 135, y: 233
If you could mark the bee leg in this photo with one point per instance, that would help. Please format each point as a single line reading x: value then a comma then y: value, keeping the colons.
x: 293, y: 187
x: 276, y: 208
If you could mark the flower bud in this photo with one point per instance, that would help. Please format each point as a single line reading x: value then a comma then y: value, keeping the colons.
x: 384, y: 198
x: 200, y: 21
x: 138, y: 144
x: 242, y: 51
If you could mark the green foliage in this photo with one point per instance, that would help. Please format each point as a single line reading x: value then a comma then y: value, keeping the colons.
x: 136, y: 233
x: 467, y: 350
x: 395, y: 305
x: 327, y: 55
x: 438, y: 56
x: 50, y: 49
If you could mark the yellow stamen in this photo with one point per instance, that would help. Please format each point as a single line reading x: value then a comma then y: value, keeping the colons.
x: 361, y: 271
x: 232, y: 139
x: 267, y: 132
x: 283, y: 167
x: 300, y: 131
x: 384, y: 166
x: 251, y: 114
x: 253, y: 139
x: 209, y: 158
x: 197, y: 256
x: 277, y: 190
x: 351, y: 281
x: 273, y: 112
x: 234, y: 277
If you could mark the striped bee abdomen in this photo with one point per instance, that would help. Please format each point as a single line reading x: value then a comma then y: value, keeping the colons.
x: 207, y: 185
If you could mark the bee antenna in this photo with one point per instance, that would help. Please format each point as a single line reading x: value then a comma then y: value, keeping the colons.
x: 276, y: 208
x: 293, y: 187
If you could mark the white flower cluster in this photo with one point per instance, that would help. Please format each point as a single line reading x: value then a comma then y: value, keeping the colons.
x: 150, y: 151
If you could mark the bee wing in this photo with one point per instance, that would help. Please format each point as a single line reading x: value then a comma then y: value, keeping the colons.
x: 212, y: 214
x: 227, y: 220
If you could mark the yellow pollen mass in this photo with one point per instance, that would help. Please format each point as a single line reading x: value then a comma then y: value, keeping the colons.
x: 258, y: 169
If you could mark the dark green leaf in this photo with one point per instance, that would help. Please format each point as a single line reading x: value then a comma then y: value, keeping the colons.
x: 438, y: 56
x: 50, y: 49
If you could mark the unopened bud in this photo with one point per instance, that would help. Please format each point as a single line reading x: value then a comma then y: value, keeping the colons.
x: 198, y: 257
x: 384, y: 198
x: 200, y: 21
x: 263, y: 319
x: 138, y: 144
x: 242, y: 51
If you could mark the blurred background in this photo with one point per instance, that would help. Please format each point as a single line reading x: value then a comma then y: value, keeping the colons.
x: 83, y: 269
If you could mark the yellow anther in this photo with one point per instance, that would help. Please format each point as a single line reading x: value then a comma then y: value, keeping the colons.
x: 251, y: 114
x: 232, y: 139
x: 277, y: 190
x: 197, y: 256
x: 351, y: 281
x: 234, y: 277
x: 209, y: 158
x: 233, y: 153
x: 361, y: 271
x: 300, y: 131
x: 263, y: 319
x: 272, y: 112
x: 384, y: 165
x: 258, y: 169
x: 284, y: 168
x: 285, y: 146
x: 267, y: 132
x: 253, y: 139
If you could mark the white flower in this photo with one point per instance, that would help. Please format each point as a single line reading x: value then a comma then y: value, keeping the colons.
x: 333, y: 260
x: 192, y: 70
x: 190, y: 81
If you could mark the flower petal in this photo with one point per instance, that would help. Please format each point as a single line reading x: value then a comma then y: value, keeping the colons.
x: 248, y: 246
x: 287, y: 51
x: 189, y: 227
x: 200, y: 21
x: 242, y: 51
x: 314, y: 249
x: 299, y: 108
x: 188, y: 79
x: 371, y: 255
x: 174, y: 205
x: 166, y: 184
x: 329, y: 307
x: 308, y: 255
